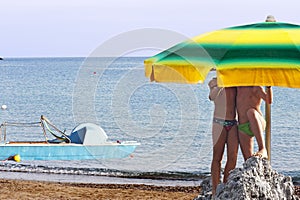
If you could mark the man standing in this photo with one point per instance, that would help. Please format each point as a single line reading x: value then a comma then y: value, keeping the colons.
x: 251, y: 121
x: 224, y: 131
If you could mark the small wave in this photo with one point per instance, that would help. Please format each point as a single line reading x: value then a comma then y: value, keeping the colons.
x: 158, y: 175
x: 163, y: 175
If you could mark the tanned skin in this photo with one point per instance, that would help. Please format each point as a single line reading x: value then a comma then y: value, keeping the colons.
x: 248, y: 104
x: 225, y: 108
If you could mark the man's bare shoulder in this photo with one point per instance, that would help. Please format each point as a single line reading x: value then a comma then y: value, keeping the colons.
x: 257, y: 88
x: 258, y: 91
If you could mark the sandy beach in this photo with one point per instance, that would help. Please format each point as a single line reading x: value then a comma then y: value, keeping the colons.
x: 23, y: 189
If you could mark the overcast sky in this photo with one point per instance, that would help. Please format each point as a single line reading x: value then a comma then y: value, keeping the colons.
x: 36, y: 28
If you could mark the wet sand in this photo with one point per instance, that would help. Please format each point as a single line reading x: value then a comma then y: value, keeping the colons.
x: 24, y: 189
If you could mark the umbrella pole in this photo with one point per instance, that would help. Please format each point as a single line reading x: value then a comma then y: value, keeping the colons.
x: 268, y: 128
x: 270, y: 18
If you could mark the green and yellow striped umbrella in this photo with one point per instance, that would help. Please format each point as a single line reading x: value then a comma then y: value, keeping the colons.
x: 259, y: 54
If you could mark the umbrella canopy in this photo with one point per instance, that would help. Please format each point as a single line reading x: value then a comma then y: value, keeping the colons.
x: 258, y: 54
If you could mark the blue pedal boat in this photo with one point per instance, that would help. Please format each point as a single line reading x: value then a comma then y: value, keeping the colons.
x: 87, y: 141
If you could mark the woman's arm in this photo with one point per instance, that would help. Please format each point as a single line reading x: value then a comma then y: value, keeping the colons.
x: 214, y: 89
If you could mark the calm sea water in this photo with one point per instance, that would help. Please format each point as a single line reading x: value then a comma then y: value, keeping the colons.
x: 171, y: 121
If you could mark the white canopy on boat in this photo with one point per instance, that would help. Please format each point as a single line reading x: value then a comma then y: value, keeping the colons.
x: 88, y: 134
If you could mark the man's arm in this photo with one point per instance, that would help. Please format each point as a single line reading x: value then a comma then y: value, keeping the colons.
x: 269, y: 95
x: 266, y: 95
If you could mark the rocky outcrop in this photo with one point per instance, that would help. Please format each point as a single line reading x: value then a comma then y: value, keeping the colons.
x: 255, y: 180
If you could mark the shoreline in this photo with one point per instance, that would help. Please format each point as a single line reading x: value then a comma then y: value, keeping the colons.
x: 88, y: 179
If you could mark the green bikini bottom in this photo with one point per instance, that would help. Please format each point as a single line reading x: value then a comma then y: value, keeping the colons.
x: 245, y: 128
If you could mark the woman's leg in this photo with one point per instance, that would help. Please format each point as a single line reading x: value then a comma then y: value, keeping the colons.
x: 232, y: 151
x: 219, y: 140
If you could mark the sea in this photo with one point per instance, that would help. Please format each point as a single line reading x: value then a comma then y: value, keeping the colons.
x: 172, y: 122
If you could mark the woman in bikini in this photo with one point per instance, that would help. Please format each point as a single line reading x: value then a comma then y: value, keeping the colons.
x: 224, y: 131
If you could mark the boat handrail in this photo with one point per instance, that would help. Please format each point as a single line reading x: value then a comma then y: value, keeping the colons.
x: 44, y: 123
x: 16, y: 124
x: 30, y: 124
